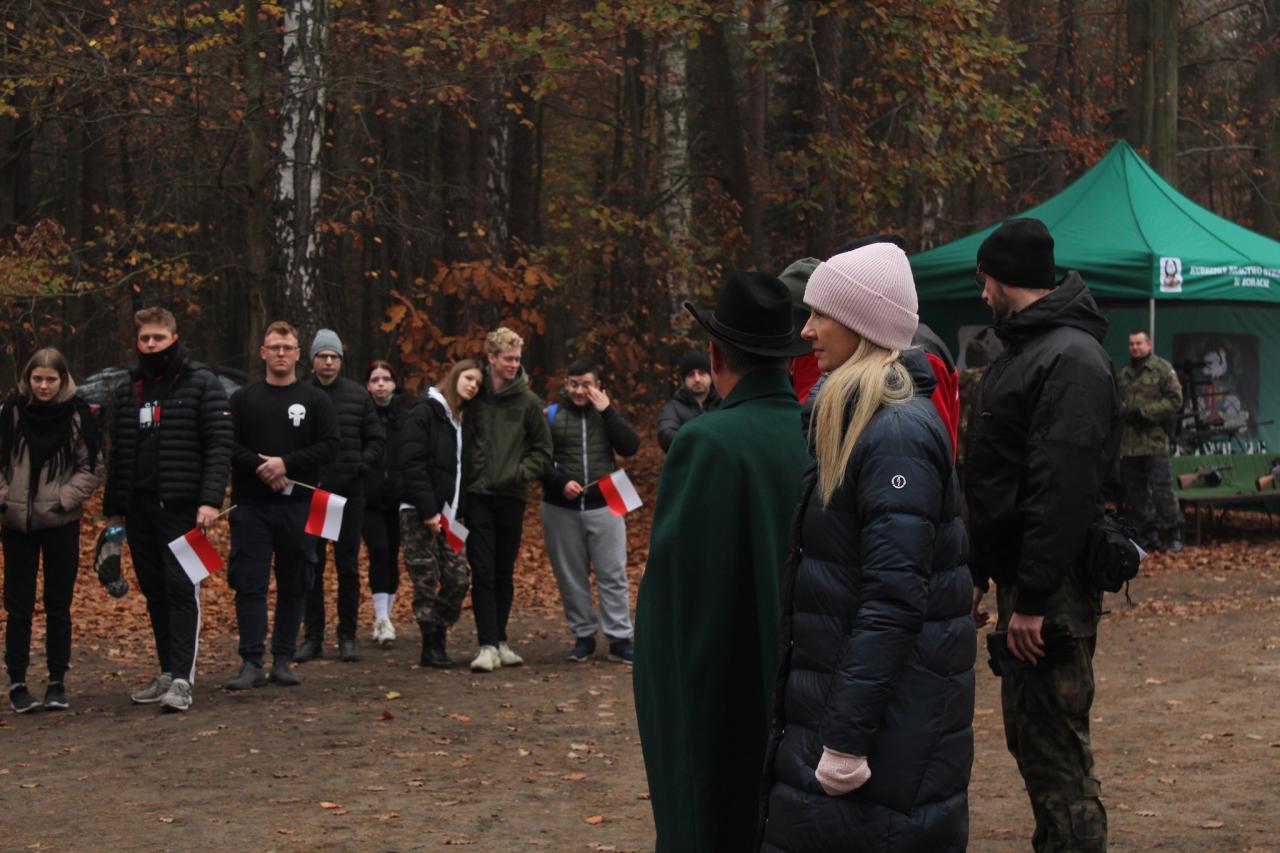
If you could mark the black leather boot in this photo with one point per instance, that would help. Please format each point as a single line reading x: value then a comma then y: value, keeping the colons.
x: 433, y: 648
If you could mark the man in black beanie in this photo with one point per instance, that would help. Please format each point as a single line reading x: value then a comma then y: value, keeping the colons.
x: 695, y: 396
x: 1040, y: 440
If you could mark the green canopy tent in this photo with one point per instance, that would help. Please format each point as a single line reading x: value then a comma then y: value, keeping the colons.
x: 1206, y: 288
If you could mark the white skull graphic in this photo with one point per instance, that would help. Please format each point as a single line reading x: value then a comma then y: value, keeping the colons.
x: 296, y: 413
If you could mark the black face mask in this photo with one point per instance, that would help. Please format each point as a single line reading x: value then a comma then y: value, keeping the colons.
x: 156, y: 364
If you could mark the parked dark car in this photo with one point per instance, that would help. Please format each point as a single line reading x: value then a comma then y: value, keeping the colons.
x: 97, y: 387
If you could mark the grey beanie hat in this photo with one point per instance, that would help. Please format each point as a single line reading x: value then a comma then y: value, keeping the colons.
x: 326, y: 340
x: 796, y: 276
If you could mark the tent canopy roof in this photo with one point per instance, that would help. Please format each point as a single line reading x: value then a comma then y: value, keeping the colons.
x: 1132, y: 236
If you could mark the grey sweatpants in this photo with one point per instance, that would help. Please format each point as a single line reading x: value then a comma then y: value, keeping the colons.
x: 577, y: 542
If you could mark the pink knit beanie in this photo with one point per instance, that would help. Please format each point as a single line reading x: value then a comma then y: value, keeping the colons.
x: 870, y: 291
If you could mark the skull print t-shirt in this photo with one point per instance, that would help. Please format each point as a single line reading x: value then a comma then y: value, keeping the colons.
x: 295, y: 422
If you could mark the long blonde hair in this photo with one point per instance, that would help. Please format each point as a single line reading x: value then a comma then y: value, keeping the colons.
x: 871, y: 378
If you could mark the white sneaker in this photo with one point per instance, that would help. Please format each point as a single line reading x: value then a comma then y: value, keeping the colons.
x: 388, y: 632
x: 376, y: 634
x: 487, y: 660
x: 508, y: 657
x: 178, y: 697
x: 154, y: 691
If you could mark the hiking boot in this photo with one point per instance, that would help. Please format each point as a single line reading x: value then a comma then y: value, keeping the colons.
x: 309, y: 650
x: 178, y: 696
x: 486, y: 660
x: 55, y: 696
x: 154, y: 691
x: 508, y: 657
x: 623, y: 651
x: 283, y: 674
x: 348, y: 649
x: 251, y: 675
x: 21, y: 700
x: 433, y: 649
x: 583, y: 649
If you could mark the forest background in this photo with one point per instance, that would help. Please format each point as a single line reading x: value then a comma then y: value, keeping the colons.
x: 412, y: 174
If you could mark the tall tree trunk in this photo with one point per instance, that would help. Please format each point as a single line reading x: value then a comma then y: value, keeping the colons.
x: 257, y: 221
x: 1142, y: 89
x: 1164, y: 119
x: 757, y: 114
x: 1264, y: 201
x: 826, y: 32
x: 301, y: 134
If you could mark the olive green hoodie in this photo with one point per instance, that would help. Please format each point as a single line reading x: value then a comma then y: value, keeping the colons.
x: 508, y: 442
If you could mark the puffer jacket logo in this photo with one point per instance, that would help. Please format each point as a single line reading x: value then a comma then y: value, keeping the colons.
x: 898, y: 481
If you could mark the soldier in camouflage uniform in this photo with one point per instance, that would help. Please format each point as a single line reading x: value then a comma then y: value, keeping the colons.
x: 1044, y: 431
x: 1152, y: 396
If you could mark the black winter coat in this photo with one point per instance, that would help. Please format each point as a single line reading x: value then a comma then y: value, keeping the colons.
x: 876, y: 648
x: 681, y: 409
x: 1041, y: 436
x: 195, y: 440
x: 385, y: 481
x: 362, y: 436
x: 429, y: 457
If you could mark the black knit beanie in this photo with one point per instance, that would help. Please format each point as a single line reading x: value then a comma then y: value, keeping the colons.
x: 694, y: 361
x: 1020, y: 254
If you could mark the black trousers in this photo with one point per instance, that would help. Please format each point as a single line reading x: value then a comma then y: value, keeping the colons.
x: 495, y: 523
x: 346, y: 555
x: 173, y: 601
x: 260, y: 532
x: 382, y: 539
x: 61, y: 549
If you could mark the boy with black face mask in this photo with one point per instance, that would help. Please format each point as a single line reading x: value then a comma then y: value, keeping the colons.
x: 171, y: 437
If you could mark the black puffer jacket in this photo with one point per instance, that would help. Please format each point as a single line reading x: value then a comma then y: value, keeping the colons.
x: 384, y: 483
x: 1044, y: 428
x: 681, y: 409
x: 877, y: 647
x: 363, y: 439
x: 195, y: 440
x: 429, y: 455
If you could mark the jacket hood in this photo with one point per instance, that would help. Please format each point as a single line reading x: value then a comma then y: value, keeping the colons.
x: 916, y: 361
x: 1069, y: 304
x: 684, y: 395
x: 514, y: 388
x: 441, y: 407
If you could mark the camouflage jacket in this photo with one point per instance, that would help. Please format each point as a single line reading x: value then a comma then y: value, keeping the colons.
x: 1152, y: 397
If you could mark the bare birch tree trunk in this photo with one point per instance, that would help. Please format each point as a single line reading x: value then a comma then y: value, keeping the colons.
x: 298, y: 181
x: 675, y: 190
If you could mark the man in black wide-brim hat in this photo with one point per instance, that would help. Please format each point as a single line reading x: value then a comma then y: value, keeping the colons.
x: 707, y: 613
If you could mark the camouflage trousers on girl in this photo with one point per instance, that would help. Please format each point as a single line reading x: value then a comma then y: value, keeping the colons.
x: 439, y: 575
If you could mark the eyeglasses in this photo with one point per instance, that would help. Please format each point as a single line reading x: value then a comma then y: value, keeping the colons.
x: 328, y: 356
x: 279, y: 349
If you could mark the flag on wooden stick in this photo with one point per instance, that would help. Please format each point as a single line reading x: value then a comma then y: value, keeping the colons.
x: 618, y: 492
x: 454, y: 533
x: 325, y: 518
x: 196, y: 555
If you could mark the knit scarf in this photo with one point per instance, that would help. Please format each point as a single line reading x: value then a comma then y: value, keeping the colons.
x: 48, y: 431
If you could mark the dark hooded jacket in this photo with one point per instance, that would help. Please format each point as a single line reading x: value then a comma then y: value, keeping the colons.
x: 384, y: 482
x: 431, y: 454
x: 192, y: 444
x: 876, y: 647
x: 362, y: 437
x: 1041, y: 438
x: 682, y: 408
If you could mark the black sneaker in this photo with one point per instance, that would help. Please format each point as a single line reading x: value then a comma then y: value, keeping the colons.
x: 251, y: 675
x: 348, y: 649
x: 623, y: 651
x: 21, y: 700
x: 55, y: 696
x: 309, y: 650
x: 583, y: 649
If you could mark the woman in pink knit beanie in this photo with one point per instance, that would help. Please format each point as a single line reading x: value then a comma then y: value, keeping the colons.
x: 872, y: 738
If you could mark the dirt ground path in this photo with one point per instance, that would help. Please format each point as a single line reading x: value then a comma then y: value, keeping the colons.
x: 380, y: 755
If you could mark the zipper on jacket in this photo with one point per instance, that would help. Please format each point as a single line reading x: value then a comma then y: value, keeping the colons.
x: 586, y: 475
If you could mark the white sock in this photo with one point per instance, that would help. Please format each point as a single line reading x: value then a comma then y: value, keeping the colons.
x: 380, y: 605
x: 391, y: 604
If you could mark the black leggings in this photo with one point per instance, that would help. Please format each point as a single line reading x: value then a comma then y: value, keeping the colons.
x: 382, y: 538
x: 61, y: 549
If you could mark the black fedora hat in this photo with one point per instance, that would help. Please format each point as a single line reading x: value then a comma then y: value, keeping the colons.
x: 753, y: 313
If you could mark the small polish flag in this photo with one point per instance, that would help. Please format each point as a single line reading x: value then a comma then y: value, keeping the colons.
x: 619, y: 493
x: 325, y: 518
x: 196, y: 555
x: 454, y: 533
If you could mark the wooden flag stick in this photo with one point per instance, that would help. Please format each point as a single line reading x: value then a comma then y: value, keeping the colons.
x: 224, y: 512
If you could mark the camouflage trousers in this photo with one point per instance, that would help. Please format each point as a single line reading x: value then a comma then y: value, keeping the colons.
x: 1046, y: 727
x: 1153, y: 506
x: 439, y: 576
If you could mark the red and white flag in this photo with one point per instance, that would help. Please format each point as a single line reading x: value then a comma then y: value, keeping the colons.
x: 196, y: 555
x: 619, y: 493
x: 325, y: 518
x: 454, y: 533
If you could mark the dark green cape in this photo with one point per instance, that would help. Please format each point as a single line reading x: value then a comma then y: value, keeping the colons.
x: 707, y: 614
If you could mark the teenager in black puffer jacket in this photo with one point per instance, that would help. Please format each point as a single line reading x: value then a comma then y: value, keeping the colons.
x: 872, y: 741
x: 383, y: 485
